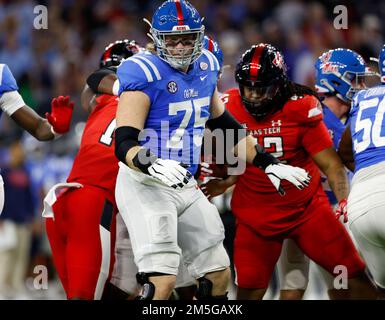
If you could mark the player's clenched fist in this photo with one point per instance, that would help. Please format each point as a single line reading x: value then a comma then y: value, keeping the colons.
x: 170, y: 172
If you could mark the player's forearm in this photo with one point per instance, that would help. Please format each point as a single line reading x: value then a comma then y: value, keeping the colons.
x: 237, y: 141
x: 87, y: 99
x: 131, y: 154
x: 250, y: 151
x: 129, y: 151
x: 44, y: 131
x: 346, y: 156
x: 338, y: 182
x: 37, y: 126
x: 350, y: 165
x: 245, y: 149
x: 345, y: 149
x: 230, y: 181
x: 103, y: 81
x: 109, y: 85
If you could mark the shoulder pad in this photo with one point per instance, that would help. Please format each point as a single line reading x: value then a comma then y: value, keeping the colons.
x: 304, y: 109
x: 208, y: 61
x: 7, y: 81
x: 137, y: 72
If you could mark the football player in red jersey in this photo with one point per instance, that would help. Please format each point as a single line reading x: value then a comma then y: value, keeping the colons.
x: 81, y: 219
x: 285, y: 118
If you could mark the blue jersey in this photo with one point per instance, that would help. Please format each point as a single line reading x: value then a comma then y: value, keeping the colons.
x: 179, y: 103
x: 7, y: 81
x: 335, y: 128
x: 368, y: 127
x: 334, y: 125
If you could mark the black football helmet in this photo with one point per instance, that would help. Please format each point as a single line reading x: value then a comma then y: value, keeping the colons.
x: 117, y: 51
x: 262, y: 71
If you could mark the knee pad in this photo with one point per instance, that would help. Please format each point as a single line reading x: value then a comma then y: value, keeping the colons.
x: 204, y: 291
x: 210, y: 260
x: 148, y: 287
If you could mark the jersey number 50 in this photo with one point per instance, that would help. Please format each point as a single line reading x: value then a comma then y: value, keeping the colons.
x: 372, y: 130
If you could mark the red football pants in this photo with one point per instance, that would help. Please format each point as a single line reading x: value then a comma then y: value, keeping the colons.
x: 82, y: 239
x: 321, y: 237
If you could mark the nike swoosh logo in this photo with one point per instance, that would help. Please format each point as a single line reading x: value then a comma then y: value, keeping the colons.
x: 204, y: 77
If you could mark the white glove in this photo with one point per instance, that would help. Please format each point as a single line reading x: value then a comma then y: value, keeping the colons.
x: 297, y: 176
x: 170, y: 172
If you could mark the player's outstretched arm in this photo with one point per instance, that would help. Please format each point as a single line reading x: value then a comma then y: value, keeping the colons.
x: 345, y: 149
x: 102, y: 81
x: 87, y: 99
x: 246, y: 148
x: 131, y: 115
x: 11, y: 102
x: 57, y: 122
x: 331, y: 165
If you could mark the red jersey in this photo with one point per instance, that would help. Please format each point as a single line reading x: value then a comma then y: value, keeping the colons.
x: 292, y: 134
x: 95, y: 163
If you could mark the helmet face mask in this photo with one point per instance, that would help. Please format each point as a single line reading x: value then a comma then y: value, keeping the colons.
x: 178, y: 33
x: 357, y: 81
x: 179, y: 49
x: 381, y: 64
x: 261, y: 76
x: 259, y: 100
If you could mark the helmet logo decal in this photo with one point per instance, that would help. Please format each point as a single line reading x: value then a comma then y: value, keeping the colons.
x: 329, y: 68
x: 172, y: 87
x: 180, y: 28
x: 278, y: 60
x: 163, y: 19
x: 326, y: 57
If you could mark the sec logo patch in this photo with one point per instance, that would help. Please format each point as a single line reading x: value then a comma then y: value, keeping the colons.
x: 172, y: 87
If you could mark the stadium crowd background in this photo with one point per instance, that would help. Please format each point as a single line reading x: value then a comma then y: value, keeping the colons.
x: 56, y: 61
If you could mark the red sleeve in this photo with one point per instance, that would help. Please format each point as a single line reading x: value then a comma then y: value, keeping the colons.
x: 316, y: 138
x: 305, y: 110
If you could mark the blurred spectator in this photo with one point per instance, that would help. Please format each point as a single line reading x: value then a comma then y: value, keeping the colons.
x: 57, y: 60
x: 15, y: 224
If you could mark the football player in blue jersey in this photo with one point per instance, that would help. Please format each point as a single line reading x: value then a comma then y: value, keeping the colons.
x: 340, y: 73
x: 362, y: 149
x: 105, y: 81
x: 57, y: 122
x: 165, y: 100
